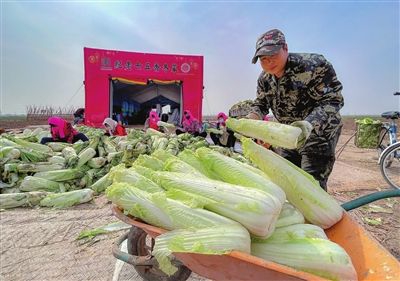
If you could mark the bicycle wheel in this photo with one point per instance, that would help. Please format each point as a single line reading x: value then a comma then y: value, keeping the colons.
x: 384, y: 140
x: 390, y: 165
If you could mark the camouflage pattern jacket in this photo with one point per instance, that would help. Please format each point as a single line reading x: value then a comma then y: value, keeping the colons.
x: 308, y: 90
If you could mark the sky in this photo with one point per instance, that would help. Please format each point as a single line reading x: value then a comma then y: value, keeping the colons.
x: 42, y: 45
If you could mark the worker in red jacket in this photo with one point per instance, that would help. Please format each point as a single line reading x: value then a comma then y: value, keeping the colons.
x: 114, y: 128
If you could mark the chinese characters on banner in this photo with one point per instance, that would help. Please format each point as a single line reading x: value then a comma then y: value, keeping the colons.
x: 107, y: 64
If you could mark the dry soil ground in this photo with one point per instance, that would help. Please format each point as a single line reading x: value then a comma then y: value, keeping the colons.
x: 40, y: 244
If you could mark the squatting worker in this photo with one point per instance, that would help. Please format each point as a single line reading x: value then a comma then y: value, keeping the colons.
x: 114, y: 128
x: 301, y: 90
x: 62, y: 131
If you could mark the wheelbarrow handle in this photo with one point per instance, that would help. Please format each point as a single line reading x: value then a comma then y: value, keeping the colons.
x: 353, y: 204
x: 128, y: 258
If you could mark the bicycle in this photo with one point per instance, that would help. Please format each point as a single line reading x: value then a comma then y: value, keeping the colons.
x: 389, y: 149
x: 391, y: 172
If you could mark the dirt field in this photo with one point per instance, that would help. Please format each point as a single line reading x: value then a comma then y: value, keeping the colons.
x: 40, y: 244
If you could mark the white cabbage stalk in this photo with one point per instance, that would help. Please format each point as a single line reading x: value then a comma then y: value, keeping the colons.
x: 57, y: 146
x: 14, y: 200
x: 179, y: 166
x: 165, y: 124
x: 69, y: 152
x: 67, y: 199
x: 294, y: 231
x: 183, y: 216
x: 274, y: 133
x: 38, y: 184
x: 121, y: 174
x: 301, y: 189
x: 193, y: 160
x: 158, y: 210
x: 35, y: 146
x: 57, y: 160
x: 108, y: 145
x: 158, y: 142
x: 70, y: 156
x: 161, y: 143
x: 37, y: 131
x: 146, y: 172
x: 6, y: 142
x: 235, y: 172
x: 216, y: 240
x: 149, y: 162
x: 123, y: 144
x: 97, y: 162
x: 162, y: 155
x: 43, y: 134
x: 85, y: 155
x: 289, y: 215
x: 9, y: 152
x: 38, y: 167
x: 101, y: 184
x: 152, y: 132
x: 138, y: 203
x: 118, y: 139
x: 112, y: 155
x: 314, y: 255
x: 27, y: 132
x: 60, y: 175
x: 255, y: 210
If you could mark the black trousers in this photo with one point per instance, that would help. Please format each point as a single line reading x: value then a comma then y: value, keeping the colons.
x: 77, y: 137
x: 317, y: 158
x: 230, y: 142
x: 196, y: 134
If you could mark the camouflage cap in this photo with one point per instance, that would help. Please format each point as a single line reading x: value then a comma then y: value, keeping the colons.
x: 269, y: 44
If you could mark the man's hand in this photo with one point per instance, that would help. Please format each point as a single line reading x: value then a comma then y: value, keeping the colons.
x: 306, y: 129
x: 253, y: 115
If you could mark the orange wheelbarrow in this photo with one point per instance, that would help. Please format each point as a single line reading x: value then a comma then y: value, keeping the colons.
x: 371, y: 260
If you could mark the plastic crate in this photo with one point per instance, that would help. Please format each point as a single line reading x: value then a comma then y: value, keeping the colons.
x: 367, y: 133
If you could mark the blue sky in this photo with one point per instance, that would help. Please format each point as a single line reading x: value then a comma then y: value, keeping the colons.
x: 42, y: 45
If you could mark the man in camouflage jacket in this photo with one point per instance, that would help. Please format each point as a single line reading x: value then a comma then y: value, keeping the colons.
x: 301, y: 90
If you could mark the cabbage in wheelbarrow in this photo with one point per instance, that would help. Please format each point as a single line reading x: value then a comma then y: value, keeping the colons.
x: 189, y: 207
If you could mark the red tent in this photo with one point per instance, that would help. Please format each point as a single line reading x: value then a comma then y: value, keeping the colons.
x: 129, y: 84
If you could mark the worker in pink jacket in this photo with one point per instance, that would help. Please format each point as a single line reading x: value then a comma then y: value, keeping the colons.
x: 62, y: 131
x: 227, y: 137
x: 153, y: 120
x: 191, y: 125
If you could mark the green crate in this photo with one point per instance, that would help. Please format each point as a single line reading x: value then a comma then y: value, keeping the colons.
x: 367, y: 134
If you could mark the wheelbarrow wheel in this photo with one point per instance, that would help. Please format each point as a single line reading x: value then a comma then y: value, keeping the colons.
x: 141, y: 244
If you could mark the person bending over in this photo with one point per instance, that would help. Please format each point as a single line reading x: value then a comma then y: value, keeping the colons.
x: 62, y: 131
